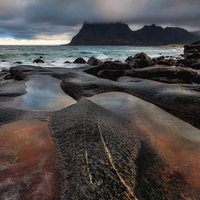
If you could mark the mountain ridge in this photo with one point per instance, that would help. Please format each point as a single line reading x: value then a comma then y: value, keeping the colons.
x: 120, y: 34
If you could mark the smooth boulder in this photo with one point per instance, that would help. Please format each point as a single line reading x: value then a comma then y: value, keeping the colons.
x: 107, y: 65
x: 191, y: 47
x: 80, y: 61
x: 140, y: 60
x: 94, y: 61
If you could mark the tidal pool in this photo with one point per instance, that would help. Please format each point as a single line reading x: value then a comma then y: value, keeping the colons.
x: 137, y: 110
x: 43, y: 93
x: 172, y: 146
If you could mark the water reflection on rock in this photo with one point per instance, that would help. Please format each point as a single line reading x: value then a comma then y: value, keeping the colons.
x: 171, y: 147
x: 43, y: 93
x: 28, y: 165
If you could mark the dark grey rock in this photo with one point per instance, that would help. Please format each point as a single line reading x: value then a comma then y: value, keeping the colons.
x: 140, y: 60
x: 80, y: 61
x: 191, y: 47
x: 97, y: 152
x: 177, y: 97
x: 110, y: 74
x: 18, y: 62
x: 162, y: 74
x: 195, y: 55
x: 38, y: 61
x: 160, y: 58
x: 185, y: 62
x: 94, y: 61
x: 21, y: 72
x: 165, y: 62
x: 107, y: 65
x: 196, y: 79
x: 10, y: 114
x: 12, y: 89
x: 118, y: 62
x: 195, y: 65
x: 181, y: 98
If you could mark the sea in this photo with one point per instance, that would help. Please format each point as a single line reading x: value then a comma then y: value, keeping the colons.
x: 55, y: 56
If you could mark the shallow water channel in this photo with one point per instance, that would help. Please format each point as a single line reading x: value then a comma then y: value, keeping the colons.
x: 43, y: 93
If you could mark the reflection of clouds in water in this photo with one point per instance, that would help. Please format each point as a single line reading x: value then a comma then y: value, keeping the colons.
x: 138, y: 110
x: 43, y: 93
x: 116, y: 100
x: 37, y: 99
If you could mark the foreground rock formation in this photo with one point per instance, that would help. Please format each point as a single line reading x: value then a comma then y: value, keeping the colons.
x: 167, y: 158
x: 104, y: 143
x: 97, y: 153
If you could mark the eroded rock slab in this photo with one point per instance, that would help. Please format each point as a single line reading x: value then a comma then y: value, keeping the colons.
x: 179, y: 98
x: 12, y: 89
x: 157, y: 73
x: 168, y: 162
x: 97, y: 152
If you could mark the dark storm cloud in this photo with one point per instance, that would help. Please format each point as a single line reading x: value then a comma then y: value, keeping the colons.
x: 68, y: 12
x: 26, y: 19
x: 62, y: 12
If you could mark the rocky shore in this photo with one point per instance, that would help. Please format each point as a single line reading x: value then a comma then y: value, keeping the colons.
x: 142, y: 148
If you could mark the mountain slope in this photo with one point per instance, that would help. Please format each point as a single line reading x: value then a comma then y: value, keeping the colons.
x: 121, y: 34
x: 103, y: 34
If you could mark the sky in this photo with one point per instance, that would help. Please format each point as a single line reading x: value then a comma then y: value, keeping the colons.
x: 55, y: 22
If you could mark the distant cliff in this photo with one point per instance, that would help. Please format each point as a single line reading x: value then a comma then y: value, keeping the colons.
x: 121, y: 34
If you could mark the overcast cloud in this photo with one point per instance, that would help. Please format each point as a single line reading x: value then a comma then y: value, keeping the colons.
x: 33, y: 19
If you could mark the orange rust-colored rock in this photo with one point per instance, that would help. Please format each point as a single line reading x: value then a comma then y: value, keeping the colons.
x: 28, y: 166
x: 178, y: 167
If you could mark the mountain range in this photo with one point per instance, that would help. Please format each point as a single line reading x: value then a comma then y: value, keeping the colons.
x: 121, y: 34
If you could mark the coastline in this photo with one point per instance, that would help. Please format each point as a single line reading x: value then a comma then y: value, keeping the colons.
x: 100, y: 126
x: 176, y: 45
x: 55, y: 56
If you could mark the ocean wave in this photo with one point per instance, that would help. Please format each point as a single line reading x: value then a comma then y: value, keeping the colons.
x: 55, y: 56
x: 102, y: 56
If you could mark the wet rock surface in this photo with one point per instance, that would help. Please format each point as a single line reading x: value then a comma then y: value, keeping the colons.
x: 80, y: 61
x: 193, y: 47
x: 94, y: 61
x: 107, y: 65
x: 28, y: 166
x: 140, y: 60
x: 85, y: 151
x: 182, y: 98
x: 157, y: 73
x: 97, y: 152
x: 192, y: 53
x: 168, y: 157
x: 39, y: 60
x: 12, y: 89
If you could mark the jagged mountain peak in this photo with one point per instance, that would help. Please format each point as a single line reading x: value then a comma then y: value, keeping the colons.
x: 120, y: 34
